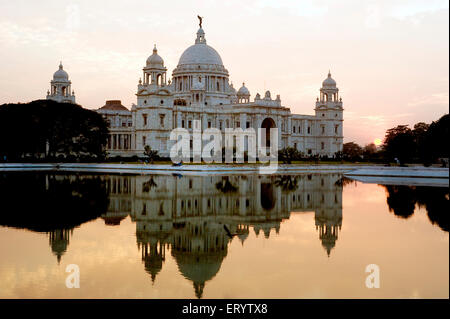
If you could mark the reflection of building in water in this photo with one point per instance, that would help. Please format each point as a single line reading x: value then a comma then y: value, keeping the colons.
x: 59, y: 240
x: 188, y: 214
x: 119, y: 190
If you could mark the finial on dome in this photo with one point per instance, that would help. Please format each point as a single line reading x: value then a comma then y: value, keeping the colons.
x: 329, y: 73
x: 60, y: 65
x: 154, y: 49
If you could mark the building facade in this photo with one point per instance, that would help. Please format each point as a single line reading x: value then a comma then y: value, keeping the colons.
x: 200, y: 89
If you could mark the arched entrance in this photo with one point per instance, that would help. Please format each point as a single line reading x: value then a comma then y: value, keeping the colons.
x: 267, y: 124
x: 267, y: 196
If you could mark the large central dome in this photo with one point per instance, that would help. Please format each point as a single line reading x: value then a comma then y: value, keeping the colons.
x: 200, y: 53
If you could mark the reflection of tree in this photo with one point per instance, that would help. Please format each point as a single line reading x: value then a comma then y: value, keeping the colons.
x: 344, y: 181
x: 402, y: 201
x: 437, y: 204
x: 288, y: 183
x: 225, y: 186
x: 46, y: 203
x: 148, y: 185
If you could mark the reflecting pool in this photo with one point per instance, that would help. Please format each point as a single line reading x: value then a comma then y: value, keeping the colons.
x: 251, y: 236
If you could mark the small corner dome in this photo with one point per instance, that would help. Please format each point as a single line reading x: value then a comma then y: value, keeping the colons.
x: 60, y: 74
x: 155, y: 60
x: 329, y: 82
x: 243, y: 91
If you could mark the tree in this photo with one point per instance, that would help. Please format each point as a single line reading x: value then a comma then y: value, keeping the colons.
x: 420, y: 133
x: 437, y: 137
x: 352, y: 151
x: 150, y: 154
x: 289, y: 154
x: 369, y: 151
x: 47, y: 129
x: 399, y: 143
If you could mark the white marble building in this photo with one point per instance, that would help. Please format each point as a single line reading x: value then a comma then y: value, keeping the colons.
x: 200, y: 89
x: 60, y: 87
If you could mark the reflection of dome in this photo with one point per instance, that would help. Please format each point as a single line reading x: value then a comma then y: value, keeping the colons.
x: 155, y: 60
x: 60, y: 75
x: 59, y: 240
x: 153, y: 256
x: 329, y: 82
x: 199, y: 268
x: 200, y: 53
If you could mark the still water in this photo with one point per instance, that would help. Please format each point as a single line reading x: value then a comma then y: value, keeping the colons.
x: 297, y: 236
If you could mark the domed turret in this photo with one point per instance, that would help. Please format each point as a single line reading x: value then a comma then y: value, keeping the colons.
x: 60, y: 74
x: 329, y: 82
x: 243, y: 94
x: 60, y: 87
x: 154, y: 70
x: 155, y: 61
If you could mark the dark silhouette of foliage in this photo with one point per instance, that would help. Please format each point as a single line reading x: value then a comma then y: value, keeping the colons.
x: 150, y: 154
x: 399, y: 143
x: 45, y: 202
x: 287, y: 183
x: 352, y: 151
x: 289, y: 154
x: 225, y: 186
x: 402, y: 200
x: 48, y: 129
x: 148, y: 185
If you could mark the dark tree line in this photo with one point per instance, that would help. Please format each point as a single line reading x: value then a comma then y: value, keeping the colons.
x: 46, y: 129
x: 425, y: 143
x: 402, y: 201
x: 45, y: 202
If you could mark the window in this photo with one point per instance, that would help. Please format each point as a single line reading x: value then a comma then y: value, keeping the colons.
x: 238, y: 124
x: 162, y: 102
x: 130, y: 124
x: 144, y: 116
x: 293, y: 129
x: 295, y: 145
x: 189, y: 124
x: 336, y: 128
x: 161, y: 120
x: 309, y: 130
x: 209, y: 124
x: 309, y: 152
x: 323, y: 129
x: 322, y: 145
x: 247, y: 125
x: 143, y: 140
x: 124, y: 124
x: 163, y: 145
x: 220, y: 125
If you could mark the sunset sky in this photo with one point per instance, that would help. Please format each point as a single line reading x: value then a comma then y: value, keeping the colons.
x: 389, y: 58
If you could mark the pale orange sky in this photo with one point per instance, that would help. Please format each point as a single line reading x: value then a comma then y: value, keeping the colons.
x: 389, y: 58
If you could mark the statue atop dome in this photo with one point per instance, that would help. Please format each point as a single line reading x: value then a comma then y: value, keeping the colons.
x: 200, y: 20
